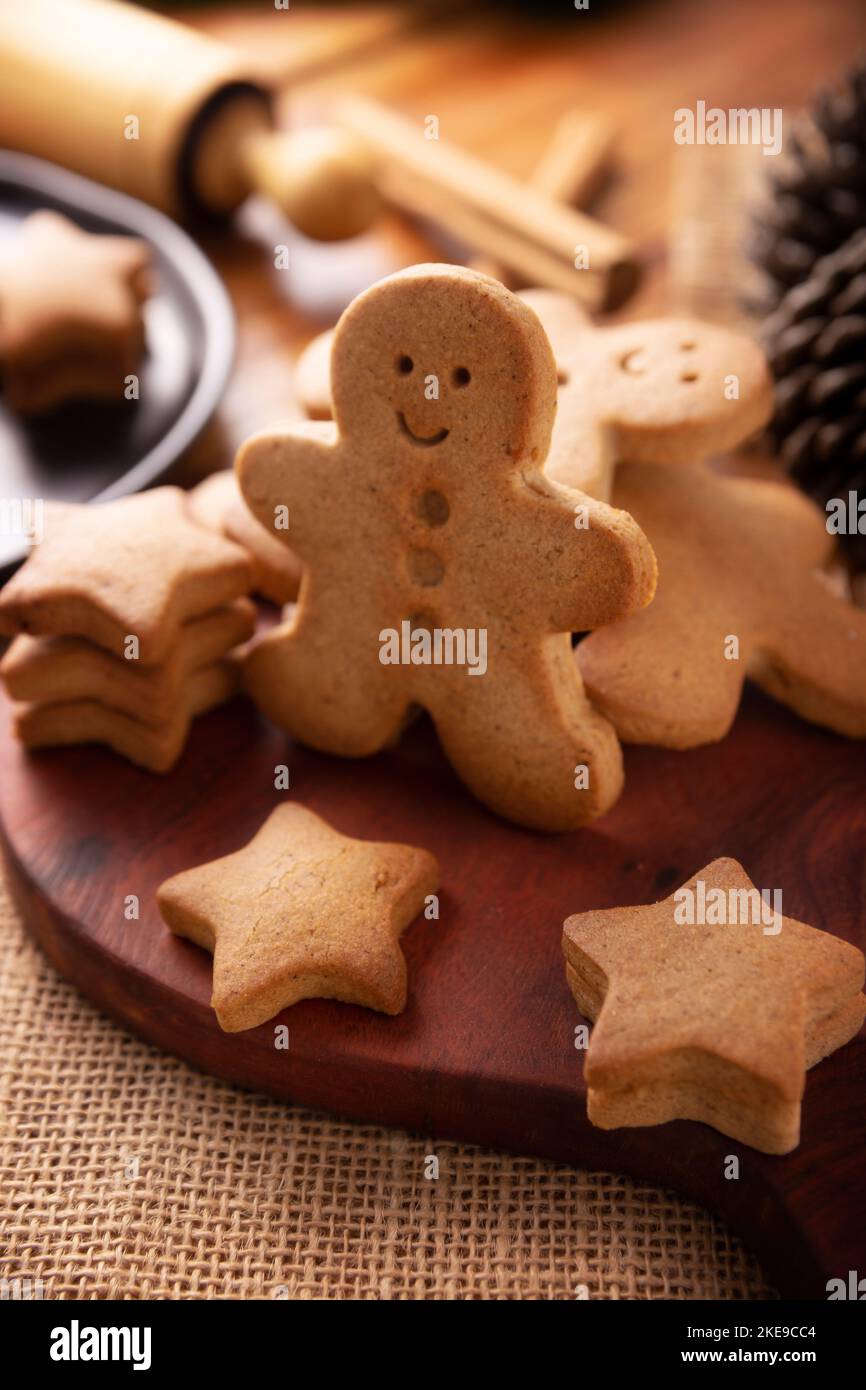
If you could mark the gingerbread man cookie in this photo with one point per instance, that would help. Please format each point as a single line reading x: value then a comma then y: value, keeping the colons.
x: 444, y: 570
x: 741, y: 594
x: 70, y: 313
x: 710, y: 1006
x: 671, y: 391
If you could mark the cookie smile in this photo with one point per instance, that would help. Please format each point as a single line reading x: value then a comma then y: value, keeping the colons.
x: 426, y: 439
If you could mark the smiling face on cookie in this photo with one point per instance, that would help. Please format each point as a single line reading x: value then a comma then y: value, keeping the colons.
x: 677, y: 389
x: 439, y: 360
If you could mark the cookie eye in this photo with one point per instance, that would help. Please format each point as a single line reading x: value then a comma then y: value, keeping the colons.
x: 462, y: 376
x: 404, y: 365
x: 688, y: 376
x: 687, y: 346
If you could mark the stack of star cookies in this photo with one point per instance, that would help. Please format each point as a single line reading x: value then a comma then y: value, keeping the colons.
x: 710, y: 1005
x: 125, y: 617
x: 71, y: 320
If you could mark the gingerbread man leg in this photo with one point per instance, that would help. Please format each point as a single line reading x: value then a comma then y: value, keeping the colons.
x: 527, y: 742
x: 660, y: 679
x: 822, y: 675
x: 323, y: 682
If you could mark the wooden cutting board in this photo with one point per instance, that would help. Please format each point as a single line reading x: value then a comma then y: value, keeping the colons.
x: 485, y: 1050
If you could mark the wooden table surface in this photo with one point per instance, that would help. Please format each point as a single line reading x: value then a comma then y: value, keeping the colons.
x: 498, y: 82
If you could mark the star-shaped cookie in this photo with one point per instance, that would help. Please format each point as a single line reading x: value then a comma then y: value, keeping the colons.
x: 155, y: 746
x: 301, y: 912
x: 70, y: 313
x: 740, y: 593
x: 59, y: 670
x: 138, y: 566
x: 709, y: 1005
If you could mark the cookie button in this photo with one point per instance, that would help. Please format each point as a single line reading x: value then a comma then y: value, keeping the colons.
x: 425, y: 568
x: 432, y: 507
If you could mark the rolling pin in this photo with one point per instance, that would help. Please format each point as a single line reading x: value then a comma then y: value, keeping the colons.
x: 168, y: 115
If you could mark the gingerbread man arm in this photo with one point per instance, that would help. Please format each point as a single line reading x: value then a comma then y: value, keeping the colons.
x: 593, y: 563
x: 293, y: 468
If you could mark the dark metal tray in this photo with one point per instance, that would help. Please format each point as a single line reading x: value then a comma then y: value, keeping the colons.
x: 86, y: 451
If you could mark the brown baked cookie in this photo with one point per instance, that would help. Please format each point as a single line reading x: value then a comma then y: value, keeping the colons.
x: 302, y: 912
x: 709, y: 1006
x: 156, y: 747
x: 136, y: 567
x: 217, y: 504
x: 740, y: 594
x: 70, y: 313
x: 59, y: 670
x: 671, y: 391
x: 444, y: 569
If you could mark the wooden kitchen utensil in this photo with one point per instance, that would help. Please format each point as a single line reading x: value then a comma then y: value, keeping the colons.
x: 570, y: 170
x: 169, y: 115
x: 523, y: 227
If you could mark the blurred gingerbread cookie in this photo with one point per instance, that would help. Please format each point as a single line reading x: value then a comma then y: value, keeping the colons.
x: 71, y: 324
x: 313, y: 376
x: 671, y: 391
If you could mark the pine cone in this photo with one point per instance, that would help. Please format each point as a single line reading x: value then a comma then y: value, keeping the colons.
x: 816, y: 344
x: 817, y: 189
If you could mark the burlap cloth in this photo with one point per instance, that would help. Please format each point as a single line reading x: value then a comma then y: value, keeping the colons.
x: 126, y: 1174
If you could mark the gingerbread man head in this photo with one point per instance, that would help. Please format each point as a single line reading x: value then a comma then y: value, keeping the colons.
x: 430, y: 532
x: 430, y: 361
